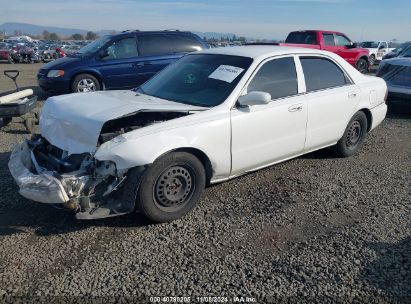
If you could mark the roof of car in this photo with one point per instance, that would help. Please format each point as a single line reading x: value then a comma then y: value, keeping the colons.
x: 255, y: 51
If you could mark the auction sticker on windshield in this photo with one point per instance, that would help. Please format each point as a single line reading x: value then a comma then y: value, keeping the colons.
x: 226, y: 73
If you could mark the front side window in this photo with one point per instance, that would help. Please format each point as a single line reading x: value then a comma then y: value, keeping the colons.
x: 198, y: 79
x: 321, y: 73
x: 342, y: 40
x: 329, y: 39
x: 124, y: 48
x: 277, y: 77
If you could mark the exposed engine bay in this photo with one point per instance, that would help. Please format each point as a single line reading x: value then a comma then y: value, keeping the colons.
x: 134, y: 121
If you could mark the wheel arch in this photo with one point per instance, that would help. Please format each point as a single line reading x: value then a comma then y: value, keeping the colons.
x: 368, y: 114
x: 204, y: 159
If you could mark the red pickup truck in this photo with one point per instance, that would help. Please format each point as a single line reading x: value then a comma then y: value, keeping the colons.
x: 333, y: 42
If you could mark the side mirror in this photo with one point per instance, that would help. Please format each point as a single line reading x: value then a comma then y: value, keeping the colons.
x: 103, y: 54
x: 254, y: 98
x: 353, y: 45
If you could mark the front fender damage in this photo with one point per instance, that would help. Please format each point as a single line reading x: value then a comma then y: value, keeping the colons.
x: 80, y: 183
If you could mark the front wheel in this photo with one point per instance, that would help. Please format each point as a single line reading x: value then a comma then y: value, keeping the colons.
x: 85, y: 83
x: 353, y: 136
x: 171, y: 187
x: 362, y: 65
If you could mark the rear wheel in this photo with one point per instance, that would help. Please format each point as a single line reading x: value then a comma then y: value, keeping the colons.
x: 85, y: 83
x: 171, y: 187
x: 353, y: 136
x: 362, y: 65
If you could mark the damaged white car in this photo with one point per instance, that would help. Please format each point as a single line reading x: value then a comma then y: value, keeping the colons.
x: 209, y: 117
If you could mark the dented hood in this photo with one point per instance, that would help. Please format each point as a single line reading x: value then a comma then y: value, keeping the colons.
x: 73, y: 122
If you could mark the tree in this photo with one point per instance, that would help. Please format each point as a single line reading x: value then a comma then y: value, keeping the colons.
x: 54, y: 36
x: 91, y: 36
x: 46, y: 35
x: 77, y: 36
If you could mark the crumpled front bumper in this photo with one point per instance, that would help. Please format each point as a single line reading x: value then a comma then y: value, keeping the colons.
x: 41, y: 187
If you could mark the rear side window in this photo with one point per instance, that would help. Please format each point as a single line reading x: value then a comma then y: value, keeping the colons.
x: 154, y: 45
x: 329, y: 39
x: 277, y: 77
x: 302, y: 38
x: 185, y: 44
x: 321, y: 73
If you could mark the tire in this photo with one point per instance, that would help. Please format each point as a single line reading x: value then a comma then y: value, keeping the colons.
x: 353, y: 137
x: 85, y: 83
x: 372, y: 60
x: 171, y: 187
x: 362, y: 65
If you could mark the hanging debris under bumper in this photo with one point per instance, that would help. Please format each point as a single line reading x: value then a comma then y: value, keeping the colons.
x: 90, y: 188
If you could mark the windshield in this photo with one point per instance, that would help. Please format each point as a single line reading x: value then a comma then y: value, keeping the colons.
x: 94, y: 46
x: 402, y: 47
x: 406, y: 52
x: 198, y: 79
x: 369, y: 44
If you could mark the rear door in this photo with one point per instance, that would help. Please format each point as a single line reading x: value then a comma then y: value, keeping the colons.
x: 117, y: 68
x: 332, y: 99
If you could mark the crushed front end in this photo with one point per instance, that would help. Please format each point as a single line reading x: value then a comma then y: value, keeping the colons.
x: 78, y: 182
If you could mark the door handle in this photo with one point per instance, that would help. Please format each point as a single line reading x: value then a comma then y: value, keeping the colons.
x: 295, y: 108
x: 352, y: 95
x: 141, y: 64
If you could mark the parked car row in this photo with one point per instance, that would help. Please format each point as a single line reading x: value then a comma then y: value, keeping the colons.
x: 22, y: 51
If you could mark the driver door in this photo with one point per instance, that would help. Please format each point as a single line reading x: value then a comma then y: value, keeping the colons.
x: 118, y: 67
x: 269, y: 133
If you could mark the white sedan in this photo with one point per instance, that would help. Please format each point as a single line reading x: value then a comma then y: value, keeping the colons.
x: 207, y: 118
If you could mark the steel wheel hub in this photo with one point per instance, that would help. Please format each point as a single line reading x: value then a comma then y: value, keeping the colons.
x: 354, y: 134
x: 86, y: 85
x: 174, y: 187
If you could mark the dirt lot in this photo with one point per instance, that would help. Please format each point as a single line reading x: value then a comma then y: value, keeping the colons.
x: 316, y: 228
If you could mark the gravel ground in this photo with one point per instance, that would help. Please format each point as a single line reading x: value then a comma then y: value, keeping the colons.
x: 313, y: 229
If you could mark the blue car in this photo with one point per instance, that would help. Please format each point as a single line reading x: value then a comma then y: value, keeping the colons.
x: 120, y: 61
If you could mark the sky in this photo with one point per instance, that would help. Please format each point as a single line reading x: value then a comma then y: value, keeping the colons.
x: 270, y: 19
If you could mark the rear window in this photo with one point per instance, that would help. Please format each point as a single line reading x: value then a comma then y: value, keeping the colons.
x: 164, y: 44
x: 154, y: 45
x: 302, y: 38
x: 185, y: 44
